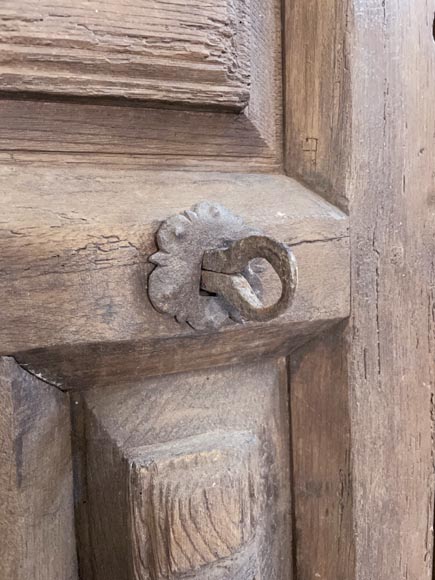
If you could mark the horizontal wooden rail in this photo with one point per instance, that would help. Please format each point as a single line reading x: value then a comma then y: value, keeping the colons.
x: 74, y: 247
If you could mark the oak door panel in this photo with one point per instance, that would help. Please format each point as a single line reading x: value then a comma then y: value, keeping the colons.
x: 195, y: 84
x: 155, y: 50
x: 181, y: 439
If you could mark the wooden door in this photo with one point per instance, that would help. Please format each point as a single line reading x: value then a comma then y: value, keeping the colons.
x: 137, y: 444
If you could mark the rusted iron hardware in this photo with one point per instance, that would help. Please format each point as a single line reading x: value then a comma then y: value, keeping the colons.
x: 207, y: 269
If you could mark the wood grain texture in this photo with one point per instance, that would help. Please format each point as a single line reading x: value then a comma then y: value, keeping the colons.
x: 195, y: 469
x: 78, y: 275
x: 87, y: 128
x: 193, y: 502
x: 156, y: 50
x: 383, y: 159
x: 102, y: 131
x: 90, y: 134
x: 321, y: 452
x: 36, y: 502
x: 82, y: 366
x: 317, y: 95
x: 391, y: 192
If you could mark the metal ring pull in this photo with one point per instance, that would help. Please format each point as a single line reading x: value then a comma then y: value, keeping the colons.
x: 222, y: 274
x: 203, y: 276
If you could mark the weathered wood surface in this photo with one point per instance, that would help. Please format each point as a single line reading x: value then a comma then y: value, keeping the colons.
x: 74, y: 266
x: 55, y: 133
x: 317, y: 93
x: 391, y: 190
x: 36, y: 501
x: 195, y: 468
x: 104, y: 131
x: 90, y: 129
x: 83, y: 366
x: 318, y: 135
x: 321, y: 456
x: 156, y: 50
x: 193, y: 504
x: 374, y: 139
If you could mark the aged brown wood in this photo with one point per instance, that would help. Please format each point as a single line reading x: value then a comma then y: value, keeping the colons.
x: 180, y: 475
x: 195, y: 468
x: 85, y: 365
x: 360, y: 128
x: 318, y: 134
x: 79, y: 275
x: 132, y: 136
x: 157, y: 50
x: 77, y: 229
x: 321, y: 454
x: 318, y: 125
x: 36, y: 496
x: 92, y: 133
x: 391, y: 358
x: 193, y: 502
